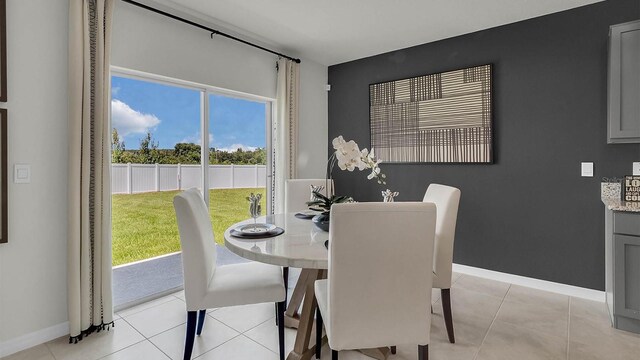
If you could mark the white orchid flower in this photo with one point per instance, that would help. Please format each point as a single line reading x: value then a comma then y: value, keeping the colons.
x: 338, y: 142
x: 349, y: 157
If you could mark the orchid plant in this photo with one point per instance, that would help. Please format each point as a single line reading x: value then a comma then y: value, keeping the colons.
x: 349, y: 157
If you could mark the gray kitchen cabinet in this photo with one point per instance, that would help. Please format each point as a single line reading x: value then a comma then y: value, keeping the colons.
x: 624, y: 83
x: 623, y: 269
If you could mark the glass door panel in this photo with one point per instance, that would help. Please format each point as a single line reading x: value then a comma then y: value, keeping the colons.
x: 237, y: 158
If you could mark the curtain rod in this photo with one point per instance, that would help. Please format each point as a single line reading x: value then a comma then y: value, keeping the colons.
x: 212, y: 31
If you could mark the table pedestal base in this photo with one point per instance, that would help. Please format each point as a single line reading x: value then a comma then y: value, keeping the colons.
x: 301, y: 349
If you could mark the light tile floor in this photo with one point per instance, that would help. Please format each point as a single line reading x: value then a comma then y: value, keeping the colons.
x: 492, y: 320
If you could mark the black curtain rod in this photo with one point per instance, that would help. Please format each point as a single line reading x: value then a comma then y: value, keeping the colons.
x: 212, y: 31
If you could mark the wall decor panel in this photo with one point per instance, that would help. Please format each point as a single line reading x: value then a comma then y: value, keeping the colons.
x: 438, y: 118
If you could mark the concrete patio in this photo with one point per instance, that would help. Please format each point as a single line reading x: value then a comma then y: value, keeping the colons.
x: 142, y: 281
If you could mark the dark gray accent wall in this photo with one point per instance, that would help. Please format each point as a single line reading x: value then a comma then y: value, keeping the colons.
x: 530, y: 213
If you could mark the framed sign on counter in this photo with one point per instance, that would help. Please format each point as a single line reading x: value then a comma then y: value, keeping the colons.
x: 631, y: 189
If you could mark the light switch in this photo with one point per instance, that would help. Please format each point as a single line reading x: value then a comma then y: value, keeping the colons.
x: 587, y: 169
x: 22, y: 174
x: 636, y: 168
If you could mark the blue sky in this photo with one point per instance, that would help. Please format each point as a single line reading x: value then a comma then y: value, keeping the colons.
x: 172, y: 115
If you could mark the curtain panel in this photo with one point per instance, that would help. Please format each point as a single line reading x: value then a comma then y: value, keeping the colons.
x: 285, y: 130
x: 89, y: 229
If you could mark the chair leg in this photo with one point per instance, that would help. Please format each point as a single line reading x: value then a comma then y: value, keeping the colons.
x: 285, y: 277
x: 281, y: 309
x: 393, y: 350
x: 423, y: 352
x: 318, y: 333
x: 201, y: 316
x: 446, y: 309
x: 334, y: 355
x: 191, y: 332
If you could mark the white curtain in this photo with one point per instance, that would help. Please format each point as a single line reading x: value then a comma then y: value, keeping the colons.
x: 285, y: 130
x: 89, y: 229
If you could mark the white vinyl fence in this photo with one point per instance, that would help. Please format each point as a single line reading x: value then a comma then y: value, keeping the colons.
x: 138, y: 178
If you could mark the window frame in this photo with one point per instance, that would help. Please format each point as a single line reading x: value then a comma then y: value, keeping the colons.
x: 205, y: 92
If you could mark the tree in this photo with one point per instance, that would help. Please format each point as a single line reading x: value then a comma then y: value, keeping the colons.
x: 117, y: 147
x: 148, y: 153
x: 238, y: 157
x: 187, y: 153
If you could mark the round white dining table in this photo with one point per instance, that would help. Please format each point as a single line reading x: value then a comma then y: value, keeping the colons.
x: 300, y: 246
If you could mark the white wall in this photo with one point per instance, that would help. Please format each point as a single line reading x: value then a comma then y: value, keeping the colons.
x: 151, y: 43
x: 33, y: 263
x: 314, y: 125
x: 154, y: 44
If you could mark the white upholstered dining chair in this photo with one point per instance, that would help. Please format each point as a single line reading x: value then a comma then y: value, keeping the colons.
x: 378, y: 288
x: 447, y: 200
x: 298, y: 191
x: 207, y: 286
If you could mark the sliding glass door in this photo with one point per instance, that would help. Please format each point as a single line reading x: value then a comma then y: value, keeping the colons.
x: 237, y: 157
x: 159, y: 126
x: 155, y: 153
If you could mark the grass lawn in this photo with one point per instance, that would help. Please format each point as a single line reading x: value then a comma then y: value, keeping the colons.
x: 144, y: 225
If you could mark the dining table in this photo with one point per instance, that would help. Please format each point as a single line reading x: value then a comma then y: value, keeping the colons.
x: 302, y: 245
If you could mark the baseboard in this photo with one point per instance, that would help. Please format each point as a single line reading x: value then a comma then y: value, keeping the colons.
x: 554, y: 287
x: 35, y: 338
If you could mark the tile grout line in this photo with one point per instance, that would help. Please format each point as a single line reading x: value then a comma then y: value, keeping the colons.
x: 146, y: 338
x: 136, y: 329
x: 156, y: 346
x: 251, y: 328
x: 261, y: 344
x: 255, y: 341
x: 173, y: 327
x: 222, y: 343
x: 491, y: 325
x: 124, y: 348
x: 49, y: 349
x: 569, y: 327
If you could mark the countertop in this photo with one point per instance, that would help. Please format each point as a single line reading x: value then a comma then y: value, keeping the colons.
x: 619, y: 205
x: 610, y: 193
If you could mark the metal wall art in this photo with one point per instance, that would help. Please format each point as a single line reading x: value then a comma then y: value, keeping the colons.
x: 438, y: 118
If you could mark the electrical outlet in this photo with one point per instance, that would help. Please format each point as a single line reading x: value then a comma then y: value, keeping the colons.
x: 22, y: 173
x: 587, y: 169
x: 636, y: 168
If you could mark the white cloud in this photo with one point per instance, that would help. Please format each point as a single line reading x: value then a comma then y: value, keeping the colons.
x: 195, y: 139
x: 190, y: 140
x: 129, y: 121
x: 235, y: 147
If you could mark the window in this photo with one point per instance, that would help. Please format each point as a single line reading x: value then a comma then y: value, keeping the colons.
x: 158, y: 128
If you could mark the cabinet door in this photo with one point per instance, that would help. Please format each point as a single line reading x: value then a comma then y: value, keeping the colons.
x: 627, y: 275
x: 624, y: 83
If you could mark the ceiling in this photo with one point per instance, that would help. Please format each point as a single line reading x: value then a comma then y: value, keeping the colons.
x: 335, y: 31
